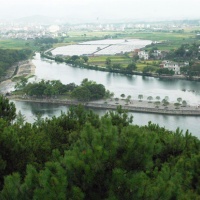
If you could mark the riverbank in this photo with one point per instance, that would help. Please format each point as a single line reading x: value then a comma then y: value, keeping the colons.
x: 21, y: 69
x: 25, y: 69
x: 119, y: 71
x: 132, y: 106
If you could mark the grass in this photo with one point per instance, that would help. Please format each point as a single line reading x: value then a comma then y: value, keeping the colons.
x: 100, y: 60
x: 140, y: 66
x: 170, y: 40
x: 13, y: 44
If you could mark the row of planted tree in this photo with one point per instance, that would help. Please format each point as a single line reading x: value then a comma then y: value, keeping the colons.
x: 81, y: 155
x: 165, y: 101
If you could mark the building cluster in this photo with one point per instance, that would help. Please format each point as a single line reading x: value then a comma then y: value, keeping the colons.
x: 157, y: 54
x: 31, y: 31
x: 174, y: 66
x: 145, y: 55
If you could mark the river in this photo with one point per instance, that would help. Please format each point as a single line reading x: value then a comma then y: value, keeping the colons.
x: 119, y: 84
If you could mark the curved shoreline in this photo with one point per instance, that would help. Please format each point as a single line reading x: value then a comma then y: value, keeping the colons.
x: 23, y: 68
x: 134, y: 106
x: 103, y: 69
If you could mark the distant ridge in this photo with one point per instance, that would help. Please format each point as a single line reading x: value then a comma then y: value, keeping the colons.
x: 38, y: 19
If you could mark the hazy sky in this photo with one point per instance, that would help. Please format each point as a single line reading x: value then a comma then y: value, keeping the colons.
x: 102, y: 9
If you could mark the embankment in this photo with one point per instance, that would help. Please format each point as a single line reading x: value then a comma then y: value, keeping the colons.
x: 133, y: 106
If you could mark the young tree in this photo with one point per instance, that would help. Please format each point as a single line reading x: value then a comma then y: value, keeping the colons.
x: 184, y: 103
x: 7, y: 109
x: 157, y: 103
x: 116, y: 100
x: 179, y: 99
x: 131, y: 67
x: 85, y: 58
x: 20, y: 119
x: 177, y: 105
x: 128, y: 98
x: 108, y: 61
x: 122, y: 95
x: 158, y: 98
x: 167, y: 98
x: 140, y: 96
x: 150, y: 98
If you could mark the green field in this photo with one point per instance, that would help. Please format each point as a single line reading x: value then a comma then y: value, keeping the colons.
x: 13, y: 44
x: 168, y: 41
x: 100, y: 60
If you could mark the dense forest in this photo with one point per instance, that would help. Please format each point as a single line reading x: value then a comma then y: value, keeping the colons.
x: 10, y: 57
x: 80, y: 155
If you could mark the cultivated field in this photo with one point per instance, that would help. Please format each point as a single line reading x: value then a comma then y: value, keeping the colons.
x: 102, y: 47
x: 78, y: 50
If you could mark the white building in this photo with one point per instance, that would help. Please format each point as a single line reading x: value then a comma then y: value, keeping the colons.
x: 157, y: 53
x: 143, y: 55
x: 174, y: 66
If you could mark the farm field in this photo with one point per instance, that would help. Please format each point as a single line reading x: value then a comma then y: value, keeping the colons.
x: 12, y: 44
x: 168, y: 40
x: 78, y: 50
x: 100, y: 60
x: 101, y: 47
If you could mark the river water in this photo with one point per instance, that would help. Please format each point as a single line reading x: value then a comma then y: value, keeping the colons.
x: 119, y: 84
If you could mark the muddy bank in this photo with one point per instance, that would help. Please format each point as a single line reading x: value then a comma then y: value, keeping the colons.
x: 21, y: 69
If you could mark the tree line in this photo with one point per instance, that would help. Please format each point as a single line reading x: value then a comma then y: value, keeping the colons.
x: 81, y: 155
x: 86, y: 91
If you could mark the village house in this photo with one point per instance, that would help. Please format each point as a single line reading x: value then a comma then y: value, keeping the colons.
x: 174, y: 66
x: 143, y: 55
x: 157, y: 53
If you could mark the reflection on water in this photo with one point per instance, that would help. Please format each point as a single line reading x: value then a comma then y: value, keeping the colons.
x: 118, y: 83
x: 30, y: 110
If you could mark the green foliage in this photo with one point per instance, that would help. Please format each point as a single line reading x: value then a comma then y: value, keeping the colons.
x: 82, y: 94
x: 108, y: 61
x: 186, y: 52
x: 149, y: 69
x: 122, y: 95
x: 9, y: 57
x: 150, y: 98
x: 21, y: 84
x: 89, y: 90
x: 7, y: 109
x: 165, y: 71
x: 140, y: 97
x: 20, y: 119
x: 157, y: 103
x: 85, y: 58
x: 80, y: 155
x: 184, y: 103
x: 192, y: 70
x: 131, y: 67
x: 45, y: 88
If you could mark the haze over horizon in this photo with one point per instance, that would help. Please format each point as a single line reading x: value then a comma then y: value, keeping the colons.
x: 102, y: 10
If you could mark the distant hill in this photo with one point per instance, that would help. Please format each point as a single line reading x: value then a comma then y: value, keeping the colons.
x: 39, y: 19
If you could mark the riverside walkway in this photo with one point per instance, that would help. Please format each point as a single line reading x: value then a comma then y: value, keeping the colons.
x: 133, y: 105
